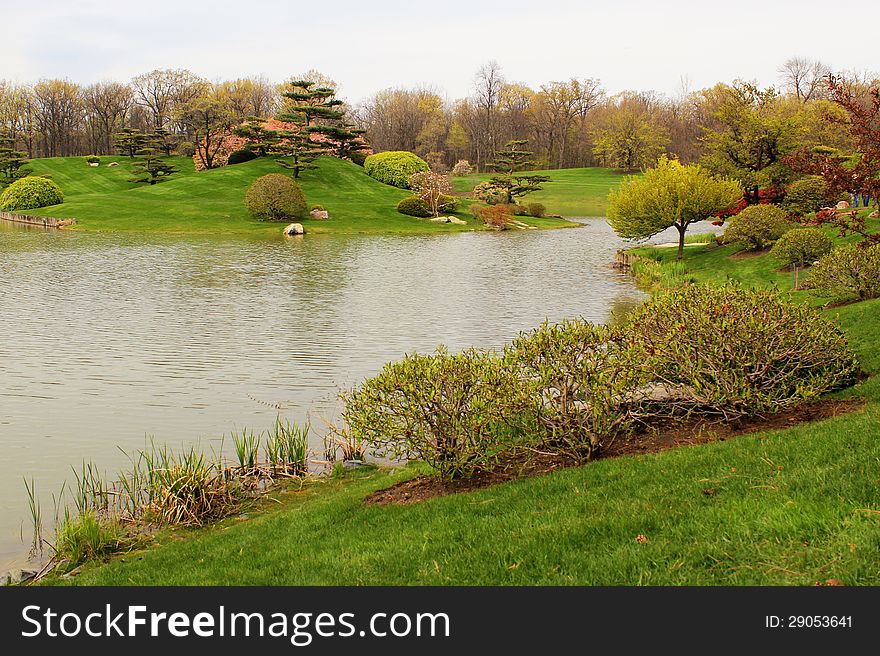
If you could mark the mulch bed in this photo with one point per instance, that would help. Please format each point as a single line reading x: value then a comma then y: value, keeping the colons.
x: 748, y: 255
x: 536, y: 463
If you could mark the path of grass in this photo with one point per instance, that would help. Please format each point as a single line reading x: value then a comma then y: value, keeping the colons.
x: 212, y: 202
x: 573, y: 192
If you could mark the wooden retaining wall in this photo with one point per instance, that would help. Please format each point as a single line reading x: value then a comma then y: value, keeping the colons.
x: 42, y: 221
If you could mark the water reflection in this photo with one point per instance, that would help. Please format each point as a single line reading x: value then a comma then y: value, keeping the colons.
x: 108, y: 339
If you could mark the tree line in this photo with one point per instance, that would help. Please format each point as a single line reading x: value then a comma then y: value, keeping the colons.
x: 738, y: 127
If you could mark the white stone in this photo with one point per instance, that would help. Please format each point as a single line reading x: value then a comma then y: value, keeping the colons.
x: 842, y: 205
x: 320, y: 215
x: 294, y: 229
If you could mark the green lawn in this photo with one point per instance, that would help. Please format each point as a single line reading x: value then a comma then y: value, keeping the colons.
x: 793, y: 507
x: 572, y: 193
x: 212, y: 202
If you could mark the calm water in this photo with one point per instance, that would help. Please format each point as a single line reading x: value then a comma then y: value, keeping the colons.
x: 105, y: 340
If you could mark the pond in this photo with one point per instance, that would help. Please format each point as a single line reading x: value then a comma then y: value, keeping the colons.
x: 109, y: 340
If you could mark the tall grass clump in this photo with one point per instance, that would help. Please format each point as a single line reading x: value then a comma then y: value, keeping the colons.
x: 247, y: 446
x: 85, y: 535
x: 287, y: 448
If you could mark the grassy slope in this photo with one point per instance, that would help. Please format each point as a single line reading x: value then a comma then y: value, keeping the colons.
x: 212, y: 202
x: 573, y: 192
x: 789, y: 507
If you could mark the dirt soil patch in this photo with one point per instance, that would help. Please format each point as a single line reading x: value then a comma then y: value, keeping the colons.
x: 748, y: 255
x: 536, y: 463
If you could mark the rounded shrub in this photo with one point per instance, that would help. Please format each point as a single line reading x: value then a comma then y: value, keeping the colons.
x: 448, y: 203
x: 451, y: 411
x: 239, y: 156
x: 186, y: 149
x: 850, y: 273
x: 801, y: 246
x: 318, y: 208
x: 394, y: 167
x: 536, y: 210
x: 807, y: 195
x: 357, y: 157
x: 757, y: 227
x: 30, y: 193
x: 414, y: 206
x: 732, y: 352
x: 576, y: 375
x: 92, y: 159
x: 275, y: 197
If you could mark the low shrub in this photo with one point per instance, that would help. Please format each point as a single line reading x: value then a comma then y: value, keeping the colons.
x: 239, y: 156
x: 92, y: 159
x: 494, y: 216
x: 448, y: 203
x: 515, y: 209
x: 414, y: 206
x: 576, y: 376
x: 186, y: 149
x: 807, y: 195
x: 318, y: 208
x: 30, y: 193
x: 357, y: 157
x: 734, y: 352
x: 536, y: 210
x: 275, y: 197
x: 757, y: 227
x: 450, y: 411
x: 850, y: 273
x: 394, y: 167
x: 462, y: 167
x: 801, y: 246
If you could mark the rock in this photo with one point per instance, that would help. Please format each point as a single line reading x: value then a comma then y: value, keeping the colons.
x: 294, y: 229
x: 17, y: 576
x: 320, y: 215
x: 113, y: 164
x: 874, y: 215
x: 94, y: 164
x: 456, y: 220
x: 440, y: 219
x: 842, y: 205
x: 353, y: 464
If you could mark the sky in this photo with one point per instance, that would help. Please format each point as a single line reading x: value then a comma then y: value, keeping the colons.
x: 370, y: 45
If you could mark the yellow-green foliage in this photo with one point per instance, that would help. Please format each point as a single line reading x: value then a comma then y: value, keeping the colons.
x: 801, y: 246
x: 30, y: 193
x: 275, y: 197
x: 848, y: 273
x: 757, y: 227
x: 394, y: 167
x: 670, y: 194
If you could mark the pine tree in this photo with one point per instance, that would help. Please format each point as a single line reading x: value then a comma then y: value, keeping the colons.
x: 348, y: 138
x: 129, y: 141
x: 149, y: 167
x: 300, y: 148
x: 13, y: 163
x: 163, y: 140
x: 508, y: 162
x: 309, y: 103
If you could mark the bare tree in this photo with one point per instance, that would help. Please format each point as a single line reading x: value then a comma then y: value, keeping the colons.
x: 58, y: 111
x: 162, y: 91
x: 805, y: 78
x: 488, y: 83
x: 107, y: 104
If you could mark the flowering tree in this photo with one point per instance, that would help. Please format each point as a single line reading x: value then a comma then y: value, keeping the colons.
x: 430, y: 187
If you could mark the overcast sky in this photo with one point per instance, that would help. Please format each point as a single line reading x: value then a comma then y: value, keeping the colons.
x: 370, y: 45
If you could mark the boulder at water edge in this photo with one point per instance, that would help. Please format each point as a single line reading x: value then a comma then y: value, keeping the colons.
x: 294, y: 229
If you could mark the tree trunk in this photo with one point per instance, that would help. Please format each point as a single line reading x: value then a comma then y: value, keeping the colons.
x: 682, y: 228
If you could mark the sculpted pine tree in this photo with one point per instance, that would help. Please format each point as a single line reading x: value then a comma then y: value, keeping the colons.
x: 510, y: 161
x: 129, y: 141
x: 13, y: 163
x: 149, y: 167
x: 668, y: 195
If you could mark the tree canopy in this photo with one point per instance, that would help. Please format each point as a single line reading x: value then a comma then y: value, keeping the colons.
x: 670, y: 194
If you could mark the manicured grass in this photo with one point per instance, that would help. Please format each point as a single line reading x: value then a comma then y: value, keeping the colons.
x: 572, y: 193
x: 785, y: 507
x: 212, y: 202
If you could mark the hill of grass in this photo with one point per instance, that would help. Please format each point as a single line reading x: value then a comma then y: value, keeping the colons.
x: 572, y: 193
x: 212, y: 202
x: 784, y: 507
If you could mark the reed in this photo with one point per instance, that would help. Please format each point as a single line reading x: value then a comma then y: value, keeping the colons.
x: 287, y: 447
x: 247, y: 446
